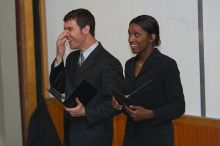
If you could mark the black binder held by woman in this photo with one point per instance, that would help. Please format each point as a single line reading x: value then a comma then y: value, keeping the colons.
x: 123, y: 100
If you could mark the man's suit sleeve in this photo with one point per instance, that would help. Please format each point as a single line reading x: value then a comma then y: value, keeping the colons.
x: 57, y: 77
x: 174, y: 94
x: 111, y: 78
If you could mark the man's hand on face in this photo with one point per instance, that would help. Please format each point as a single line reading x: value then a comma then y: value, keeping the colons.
x: 60, y: 45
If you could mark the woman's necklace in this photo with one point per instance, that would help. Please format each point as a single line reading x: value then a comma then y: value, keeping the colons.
x: 138, y: 67
x: 139, y: 64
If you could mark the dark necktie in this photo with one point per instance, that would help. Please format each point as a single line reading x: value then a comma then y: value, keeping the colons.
x: 81, y: 59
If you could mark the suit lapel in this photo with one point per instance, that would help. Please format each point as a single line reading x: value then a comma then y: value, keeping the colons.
x: 130, y: 69
x: 149, y: 62
x: 88, y: 63
x: 74, y: 67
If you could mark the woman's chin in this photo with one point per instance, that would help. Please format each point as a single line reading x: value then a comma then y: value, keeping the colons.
x: 135, y: 51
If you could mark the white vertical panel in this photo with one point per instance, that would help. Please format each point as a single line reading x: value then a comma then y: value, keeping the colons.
x: 211, y: 20
x: 178, y: 25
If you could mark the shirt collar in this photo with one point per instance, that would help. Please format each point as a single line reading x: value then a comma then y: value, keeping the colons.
x: 90, y: 49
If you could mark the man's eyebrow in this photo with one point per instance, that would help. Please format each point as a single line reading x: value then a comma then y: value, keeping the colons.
x: 68, y: 28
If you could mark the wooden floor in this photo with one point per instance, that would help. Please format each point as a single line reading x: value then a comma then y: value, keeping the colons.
x: 189, y: 130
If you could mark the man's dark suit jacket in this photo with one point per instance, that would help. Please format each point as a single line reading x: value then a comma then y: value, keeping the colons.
x: 163, y: 95
x: 104, y: 72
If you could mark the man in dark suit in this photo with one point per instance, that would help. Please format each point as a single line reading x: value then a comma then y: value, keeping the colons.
x: 91, y: 124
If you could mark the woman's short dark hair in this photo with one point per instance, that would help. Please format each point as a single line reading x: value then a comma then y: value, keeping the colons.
x: 83, y: 17
x: 150, y: 25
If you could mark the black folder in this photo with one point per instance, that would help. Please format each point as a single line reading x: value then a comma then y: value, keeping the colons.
x: 84, y: 91
x: 56, y: 94
x: 121, y: 98
x: 125, y: 100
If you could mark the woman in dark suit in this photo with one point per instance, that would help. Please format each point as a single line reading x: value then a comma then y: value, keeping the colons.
x: 154, y: 106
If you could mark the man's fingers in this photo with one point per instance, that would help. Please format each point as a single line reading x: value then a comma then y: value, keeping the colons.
x: 78, y: 101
